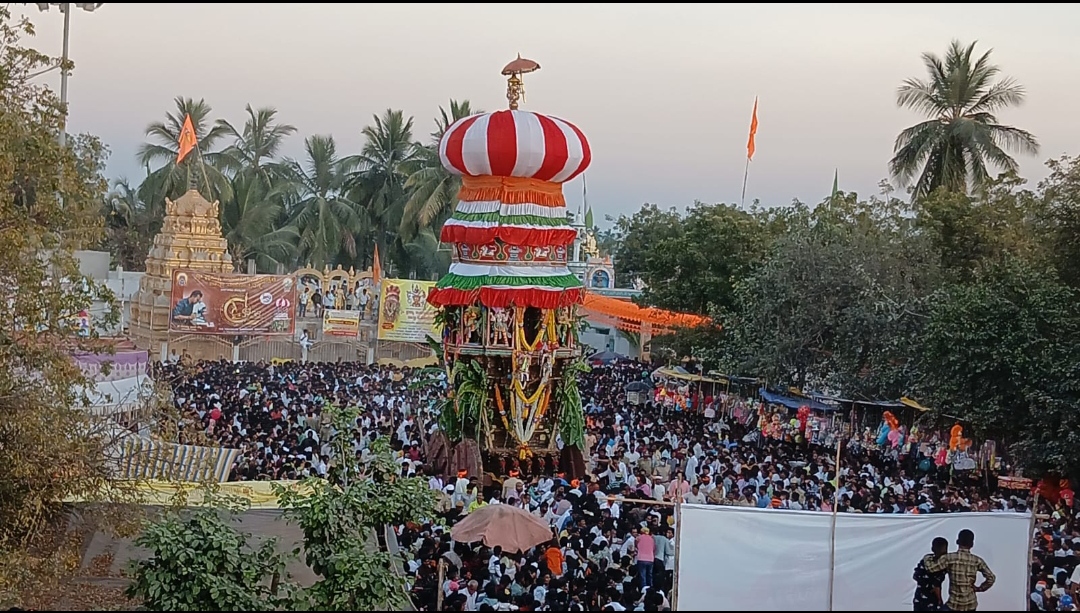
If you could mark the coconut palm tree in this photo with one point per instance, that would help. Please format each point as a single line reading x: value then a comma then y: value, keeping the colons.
x: 426, y: 259
x: 388, y: 157
x: 326, y: 220
x: 250, y: 222
x: 432, y: 190
x: 257, y: 144
x: 198, y: 169
x: 130, y: 224
x: 961, y: 136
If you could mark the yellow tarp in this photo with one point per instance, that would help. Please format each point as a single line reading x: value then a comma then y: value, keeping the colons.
x: 259, y: 494
x: 674, y: 374
x: 908, y: 402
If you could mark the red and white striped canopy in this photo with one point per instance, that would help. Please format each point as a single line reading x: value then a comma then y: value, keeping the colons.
x: 515, y: 144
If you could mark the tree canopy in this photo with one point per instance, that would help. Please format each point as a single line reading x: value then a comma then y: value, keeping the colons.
x: 50, y: 448
x: 961, y: 136
x: 964, y: 301
x: 329, y: 207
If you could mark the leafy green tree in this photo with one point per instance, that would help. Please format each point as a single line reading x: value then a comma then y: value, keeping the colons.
x: 250, y: 219
x: 257, y: 144
x: 432, y: 191
x: 428, y: 259
x: 51, y: 449
x: 130, y: 225
x: 339, y: 517
x: 200, y: 562
x: 968, y: 231
x: 1060, y: 193
x: 1000, y: 353
x: 690, y: 262
x: 641, y: 234
x: 607, y: 240
x: 326, y: 220
x: 961, y: 136
x: 171, y: 180
x: 387, y: 159
x: 839, y: 301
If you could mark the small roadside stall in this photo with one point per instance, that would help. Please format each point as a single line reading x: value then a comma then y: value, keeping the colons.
x: 678, y: 388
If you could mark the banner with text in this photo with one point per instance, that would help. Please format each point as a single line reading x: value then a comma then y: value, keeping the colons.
x: 217, y: 303
x: 336, y: 322
x: 404, y: 312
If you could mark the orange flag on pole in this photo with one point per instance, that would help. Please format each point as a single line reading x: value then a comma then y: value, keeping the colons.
x: 750, y: 148
x: 376, y: 268
x: 187, y: 140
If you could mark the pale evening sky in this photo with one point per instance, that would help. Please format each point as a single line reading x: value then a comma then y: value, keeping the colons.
x: 662, y: 91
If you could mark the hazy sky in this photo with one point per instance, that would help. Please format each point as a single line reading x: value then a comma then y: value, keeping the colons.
x: 663, y: 92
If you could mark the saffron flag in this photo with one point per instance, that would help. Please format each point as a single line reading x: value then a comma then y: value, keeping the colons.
x: 376, y: 267
x: 750, y: 148
x: 187, y: 140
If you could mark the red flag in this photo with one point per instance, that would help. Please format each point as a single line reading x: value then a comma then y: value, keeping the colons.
x: 187, y: 140
x: 750, y: 148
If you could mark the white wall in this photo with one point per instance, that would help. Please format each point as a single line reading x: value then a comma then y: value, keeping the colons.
x: 593, y: 335
x: 738, y: 558
x: 123, y: 284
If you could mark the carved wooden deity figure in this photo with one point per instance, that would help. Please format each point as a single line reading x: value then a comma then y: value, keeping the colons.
x: 470, y: 324
x: 500, y: 326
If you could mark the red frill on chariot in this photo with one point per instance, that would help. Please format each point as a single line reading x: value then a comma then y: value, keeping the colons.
x: 510, y: 207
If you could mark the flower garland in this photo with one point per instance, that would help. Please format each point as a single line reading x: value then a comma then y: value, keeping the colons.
x: 547, y: 332
x: 530, y: 400
x: 502, y: 409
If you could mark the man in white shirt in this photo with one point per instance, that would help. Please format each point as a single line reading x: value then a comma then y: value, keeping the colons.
x: 510, y: 485
x: 695, y: 496
x: 691, y: 469
x: 472, y: 592
x: 495, y: 564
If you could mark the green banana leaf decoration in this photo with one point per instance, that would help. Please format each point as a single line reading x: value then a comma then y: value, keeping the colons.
x: 571, y: 413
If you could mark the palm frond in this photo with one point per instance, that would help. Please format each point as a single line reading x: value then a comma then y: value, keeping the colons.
x: 961, y: 139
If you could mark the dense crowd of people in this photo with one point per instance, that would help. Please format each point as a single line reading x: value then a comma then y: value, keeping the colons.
x: 610, y: 550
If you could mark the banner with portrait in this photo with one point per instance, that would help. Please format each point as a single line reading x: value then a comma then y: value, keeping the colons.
x: 404, y: 312
x: 218, y: 303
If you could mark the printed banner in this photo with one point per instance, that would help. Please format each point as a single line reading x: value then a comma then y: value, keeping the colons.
x: 213, y: 303
x: 404, y: 312
x: 337, y: 322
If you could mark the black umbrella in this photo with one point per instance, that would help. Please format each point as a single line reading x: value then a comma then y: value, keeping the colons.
x: 606, y: 357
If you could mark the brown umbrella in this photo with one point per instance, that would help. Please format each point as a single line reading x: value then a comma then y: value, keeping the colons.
x: 502, y: 525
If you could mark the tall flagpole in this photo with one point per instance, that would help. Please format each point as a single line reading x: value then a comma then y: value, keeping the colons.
x: 750, y: 148
x: 206, y: 177
x: 745, y: 174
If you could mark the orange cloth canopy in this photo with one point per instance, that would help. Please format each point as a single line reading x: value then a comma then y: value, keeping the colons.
x: 628, y: 316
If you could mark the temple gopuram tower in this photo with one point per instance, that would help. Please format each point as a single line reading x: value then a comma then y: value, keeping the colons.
x: 190, y: 238
x: 508, y: 303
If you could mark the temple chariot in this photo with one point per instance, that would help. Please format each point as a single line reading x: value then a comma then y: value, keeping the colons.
x: 508, y: 304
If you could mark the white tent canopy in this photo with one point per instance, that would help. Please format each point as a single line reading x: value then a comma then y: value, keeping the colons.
x: 117, y: 396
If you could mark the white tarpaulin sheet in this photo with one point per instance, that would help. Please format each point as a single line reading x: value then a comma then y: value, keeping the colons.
x: 739, y: 558
x: 118, y: 395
